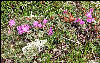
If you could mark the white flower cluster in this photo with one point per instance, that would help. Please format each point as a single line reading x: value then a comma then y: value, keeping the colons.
x: 33, y: 48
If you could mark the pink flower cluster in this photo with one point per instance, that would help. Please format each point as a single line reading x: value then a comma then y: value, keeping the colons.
x: 37, y: 24
x: 50, y: 31
x: 11, y: 23
x: 23, y: 28
x: 79, y: 20
x: 89, y: 16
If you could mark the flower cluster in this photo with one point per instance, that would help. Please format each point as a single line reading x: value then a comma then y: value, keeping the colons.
x: 79, y: 20
x: 37, y: 24
x: 50, y: 31
x: 23, y: 28
x: 89, y: 16
x: 11, y: 23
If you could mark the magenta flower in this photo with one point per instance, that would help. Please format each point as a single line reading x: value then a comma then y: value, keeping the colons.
x: 91, y: 10
x: 50, y: 31
x: 90, y: 20
x: 21, y: 32
x: 40, y: 25
x: 11, y: 23
x: 89, y: 15
x: 23, y: 28
x: 19, y: 28
x: 45, y: 21
x: 82, y: 22
x: 78, y: 20
x: 35, y: 23
x: 44, y: 25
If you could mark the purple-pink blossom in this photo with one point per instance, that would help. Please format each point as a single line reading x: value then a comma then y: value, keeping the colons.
x: 82, y: 22
x: 78, y: 20
x: 89, y: 15
x: 50, y: 31
x: 45, y: 21
x: 35, y: 23
x: 90, y: 20
x: 40, y: 25
x: 19, y: 28
x: 21, y: 32
x: 44, y: 25
x: 11, y: 23
x: 91, y: 10
x: 23, y: 28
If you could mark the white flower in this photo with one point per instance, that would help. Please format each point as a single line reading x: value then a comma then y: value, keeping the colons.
x: 34, y: 47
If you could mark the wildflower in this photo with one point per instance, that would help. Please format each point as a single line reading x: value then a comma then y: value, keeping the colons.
x: 45, y: 21
x: 40, y: 25
x: 89, y: 15
x: 44, y: 25
x: 21, y: 32
x: 23, y: 28
x: 34, y: 47
x: 35, y: 23
x: 78, y: 20
x: 11, y: 23
x: 90, y: 20
x: 82, y: 22
x: 50, y: 31
x: 91, y: 10
x: 19, y: 28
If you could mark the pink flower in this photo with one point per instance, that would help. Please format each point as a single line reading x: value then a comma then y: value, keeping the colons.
x: 11, y: 23
x: 90, y: 20
x: 19, y: 28
x: 35, y: 23
x: 23, y: 28
x: 21, y: 32
x: 40, y: 25
x: 50, y: 31
x: 91, y: 10
x: 78, y: 20
x: 89, y: 15
x: 45, y: 21
x: 82, y: 22
x: 44, y: 25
